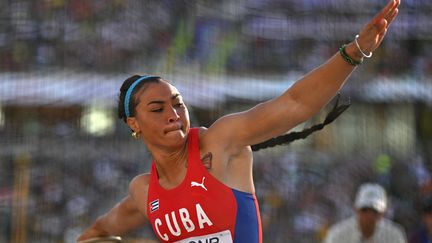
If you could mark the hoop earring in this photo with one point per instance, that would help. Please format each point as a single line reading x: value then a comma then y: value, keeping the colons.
x: 136, y: 135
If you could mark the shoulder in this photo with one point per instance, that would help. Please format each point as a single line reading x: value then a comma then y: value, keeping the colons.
x: 391, y: 227
x: 141, y: 178
x: 138, y: 191
x: 219, y: 140
x: 139, y: 184
x: 202, y: 132
x: 206, y: 139
x: 219, y: 146
x: 343, y: 227
x: 342, y: 231
x: 203, y: 136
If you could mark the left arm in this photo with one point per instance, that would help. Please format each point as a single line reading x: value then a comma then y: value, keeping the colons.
x: 305, y: 98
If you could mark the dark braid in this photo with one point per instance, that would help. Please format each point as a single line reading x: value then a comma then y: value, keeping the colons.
x: 288, y: 138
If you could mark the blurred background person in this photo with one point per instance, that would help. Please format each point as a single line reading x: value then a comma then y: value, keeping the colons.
x: 368, y: 224
x: 424, y: 233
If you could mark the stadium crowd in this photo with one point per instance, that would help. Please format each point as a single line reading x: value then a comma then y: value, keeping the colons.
x: 302, y: 190
x: 259, y: 37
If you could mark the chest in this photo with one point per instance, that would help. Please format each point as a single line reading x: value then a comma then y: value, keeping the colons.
x: 200, y: 205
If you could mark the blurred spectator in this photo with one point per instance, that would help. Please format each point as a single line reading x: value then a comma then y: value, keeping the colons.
x: 368, y: 224
x: 120, y: 35
x: 424, y: 233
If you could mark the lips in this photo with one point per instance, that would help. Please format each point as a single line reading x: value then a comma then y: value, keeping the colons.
x: 173, y: 127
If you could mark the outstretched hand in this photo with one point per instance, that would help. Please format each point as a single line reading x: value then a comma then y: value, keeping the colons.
x: 372, y: 34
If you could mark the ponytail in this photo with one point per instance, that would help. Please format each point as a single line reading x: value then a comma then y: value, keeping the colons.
x: 288, y: 138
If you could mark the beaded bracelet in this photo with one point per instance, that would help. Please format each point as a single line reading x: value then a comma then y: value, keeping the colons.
x: 347, y: 58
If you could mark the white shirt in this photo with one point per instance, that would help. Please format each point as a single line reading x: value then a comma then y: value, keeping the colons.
x: 347, y: 231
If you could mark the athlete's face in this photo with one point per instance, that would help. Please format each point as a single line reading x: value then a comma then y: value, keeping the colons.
x: 160, y: 115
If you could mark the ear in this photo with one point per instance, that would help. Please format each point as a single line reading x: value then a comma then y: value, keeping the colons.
x: 133, y: 124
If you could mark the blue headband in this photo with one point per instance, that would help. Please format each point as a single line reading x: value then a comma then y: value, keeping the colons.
x: 129, y: 93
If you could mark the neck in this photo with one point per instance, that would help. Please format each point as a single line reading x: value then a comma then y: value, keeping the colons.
x: 367, y: 231
x: 170, y: 165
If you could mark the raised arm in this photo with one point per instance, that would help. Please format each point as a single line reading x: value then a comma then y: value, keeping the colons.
x: 307, y: 96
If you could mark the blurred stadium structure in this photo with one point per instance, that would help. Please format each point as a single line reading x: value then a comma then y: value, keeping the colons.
x: 65, y: 158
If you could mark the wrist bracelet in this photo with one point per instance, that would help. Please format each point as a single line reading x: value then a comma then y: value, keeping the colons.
x: 358, y: 47
x: 347, y: 58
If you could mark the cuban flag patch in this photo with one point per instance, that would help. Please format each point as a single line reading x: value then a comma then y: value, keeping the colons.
x: 154, y: 205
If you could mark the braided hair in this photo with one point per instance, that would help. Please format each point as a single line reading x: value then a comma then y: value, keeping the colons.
x: 288, y: 138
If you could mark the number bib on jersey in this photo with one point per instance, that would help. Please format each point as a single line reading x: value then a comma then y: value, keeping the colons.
x: 220, y: 237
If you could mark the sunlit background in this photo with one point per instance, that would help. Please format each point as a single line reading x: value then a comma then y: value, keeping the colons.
x: 66, y: 158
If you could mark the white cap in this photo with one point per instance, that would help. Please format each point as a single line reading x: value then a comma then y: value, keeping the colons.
x: 371, y: 195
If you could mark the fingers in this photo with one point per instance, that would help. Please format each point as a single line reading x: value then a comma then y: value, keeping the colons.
x: 379, y: 26
x: 392, y: 16
x: 382, y: 32
x: 373, y: 33
x: 381, y: 35
x: 387, y: 12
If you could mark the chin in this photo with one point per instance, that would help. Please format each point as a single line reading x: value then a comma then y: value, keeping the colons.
x: 178, y: 136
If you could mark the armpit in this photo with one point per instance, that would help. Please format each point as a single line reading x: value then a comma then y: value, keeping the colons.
x: 207, y: 160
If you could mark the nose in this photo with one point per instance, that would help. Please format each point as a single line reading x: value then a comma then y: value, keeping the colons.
x: 172, y: 115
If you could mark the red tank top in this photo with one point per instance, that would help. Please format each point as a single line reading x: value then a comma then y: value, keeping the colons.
x: 200, y: 209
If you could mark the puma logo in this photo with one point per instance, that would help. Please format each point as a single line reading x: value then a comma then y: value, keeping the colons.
x: 193, y: 183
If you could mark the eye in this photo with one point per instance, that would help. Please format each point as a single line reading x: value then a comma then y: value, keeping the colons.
x: 157, y: 110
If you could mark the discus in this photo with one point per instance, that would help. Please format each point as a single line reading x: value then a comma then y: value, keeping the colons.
x: 107, y: 239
